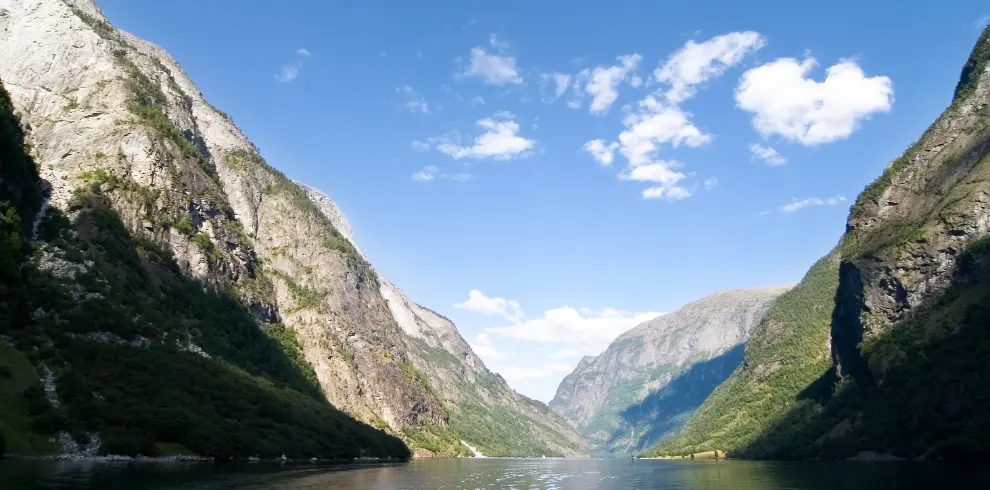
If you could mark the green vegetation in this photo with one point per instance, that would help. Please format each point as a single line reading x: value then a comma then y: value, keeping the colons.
x: 974, y: 67
x: 305, y: 297
x: 113, y: 317
x: 787, y: 352
x: 283, y: 186
x: 102, y: 28
x: 184, y: 225
x: 493, y: 428
x: 439, y: 440
x: 933, y: 389
x: 204, y: 242
x: 15, y: 419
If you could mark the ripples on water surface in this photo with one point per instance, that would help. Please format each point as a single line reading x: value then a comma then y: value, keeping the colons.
x: 467, y: 474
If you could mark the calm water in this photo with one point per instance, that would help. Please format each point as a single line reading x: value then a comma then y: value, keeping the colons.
x: 495, y: 474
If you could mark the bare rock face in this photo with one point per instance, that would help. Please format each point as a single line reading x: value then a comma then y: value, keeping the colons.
x: 908, y: 229
x: 650, y: 379
x: 107, y: 108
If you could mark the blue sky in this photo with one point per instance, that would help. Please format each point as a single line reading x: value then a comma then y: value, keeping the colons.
x: 737, y: 141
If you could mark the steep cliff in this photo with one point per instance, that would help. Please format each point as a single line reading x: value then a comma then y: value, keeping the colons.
x: 883, y: 346
x: 649, y: 381
x: 116, y: 116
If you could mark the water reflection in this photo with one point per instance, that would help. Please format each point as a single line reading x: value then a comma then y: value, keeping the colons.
x: 548, y: 474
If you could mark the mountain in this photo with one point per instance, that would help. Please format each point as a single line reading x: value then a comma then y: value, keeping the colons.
x: 651, y: 378
x: 182, y: 251
x: 883, y: 347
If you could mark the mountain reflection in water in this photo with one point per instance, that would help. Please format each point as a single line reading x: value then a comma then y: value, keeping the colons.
x: 470, y: 474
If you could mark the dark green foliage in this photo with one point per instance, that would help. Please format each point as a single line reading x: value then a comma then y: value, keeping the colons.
x: 933, y: 391
x: 974, y: 67
x: 305, y: 297
x: 148, y: 103
x: 786, y: 352
x: 114, y: 327
x: 208, y: 407
x: 102, y: 28
x: 281, y: 185
x: 184, y: 226
x: 19, y: 187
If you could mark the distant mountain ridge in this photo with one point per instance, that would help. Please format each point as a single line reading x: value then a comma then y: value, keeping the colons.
x: 650, y: 379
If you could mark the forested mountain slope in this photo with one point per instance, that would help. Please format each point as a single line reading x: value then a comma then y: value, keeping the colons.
x: 232, y: 263
x: 884, y: 345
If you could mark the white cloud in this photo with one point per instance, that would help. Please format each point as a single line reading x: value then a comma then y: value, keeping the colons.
x: 458, y: 177
x: 711, y: 183
x: 589, y: 333
x: 981, y: 23
x: 656, y: 124
x: 419, y: 145
x: 651, y: 126
x: 483, y: 347
x: 432, y: 172
x: 811, y: 201
x: 428, y: 173
x: 603, y: 152
x: 603, y: 82
x: 785, y: 101
x: 554, y: 85
x: 478, y: 100
x: 414, y: 102
x: 479, y: 303
x: 658, y: 120
x: 290, y: 72
x: 574, y: 104
x: 696, y: 63
x: 768, y: 154
x: 670, y: 193
x: 515, y: 374
x: 498, y: 43
x: 501, y: 141
x: 561, y: 82
x: 495, y: 69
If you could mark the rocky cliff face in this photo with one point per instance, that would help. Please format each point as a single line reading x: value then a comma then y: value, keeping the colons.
x: 651, y: 378
x: 106, y: 108
x: 882, y: 346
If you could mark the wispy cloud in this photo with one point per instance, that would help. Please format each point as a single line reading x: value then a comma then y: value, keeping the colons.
x: 414, y: 102
x: 658, y: 121
x: 479, y: 303
x: 603, y: 82
x: 500, y: 141
x: 797, y: 205
x: 768, y: 154
x: 495, y: 68
x: 290, y: 71
x: 430, y: 173
x: 696, y: 63
x: 711, y: 183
